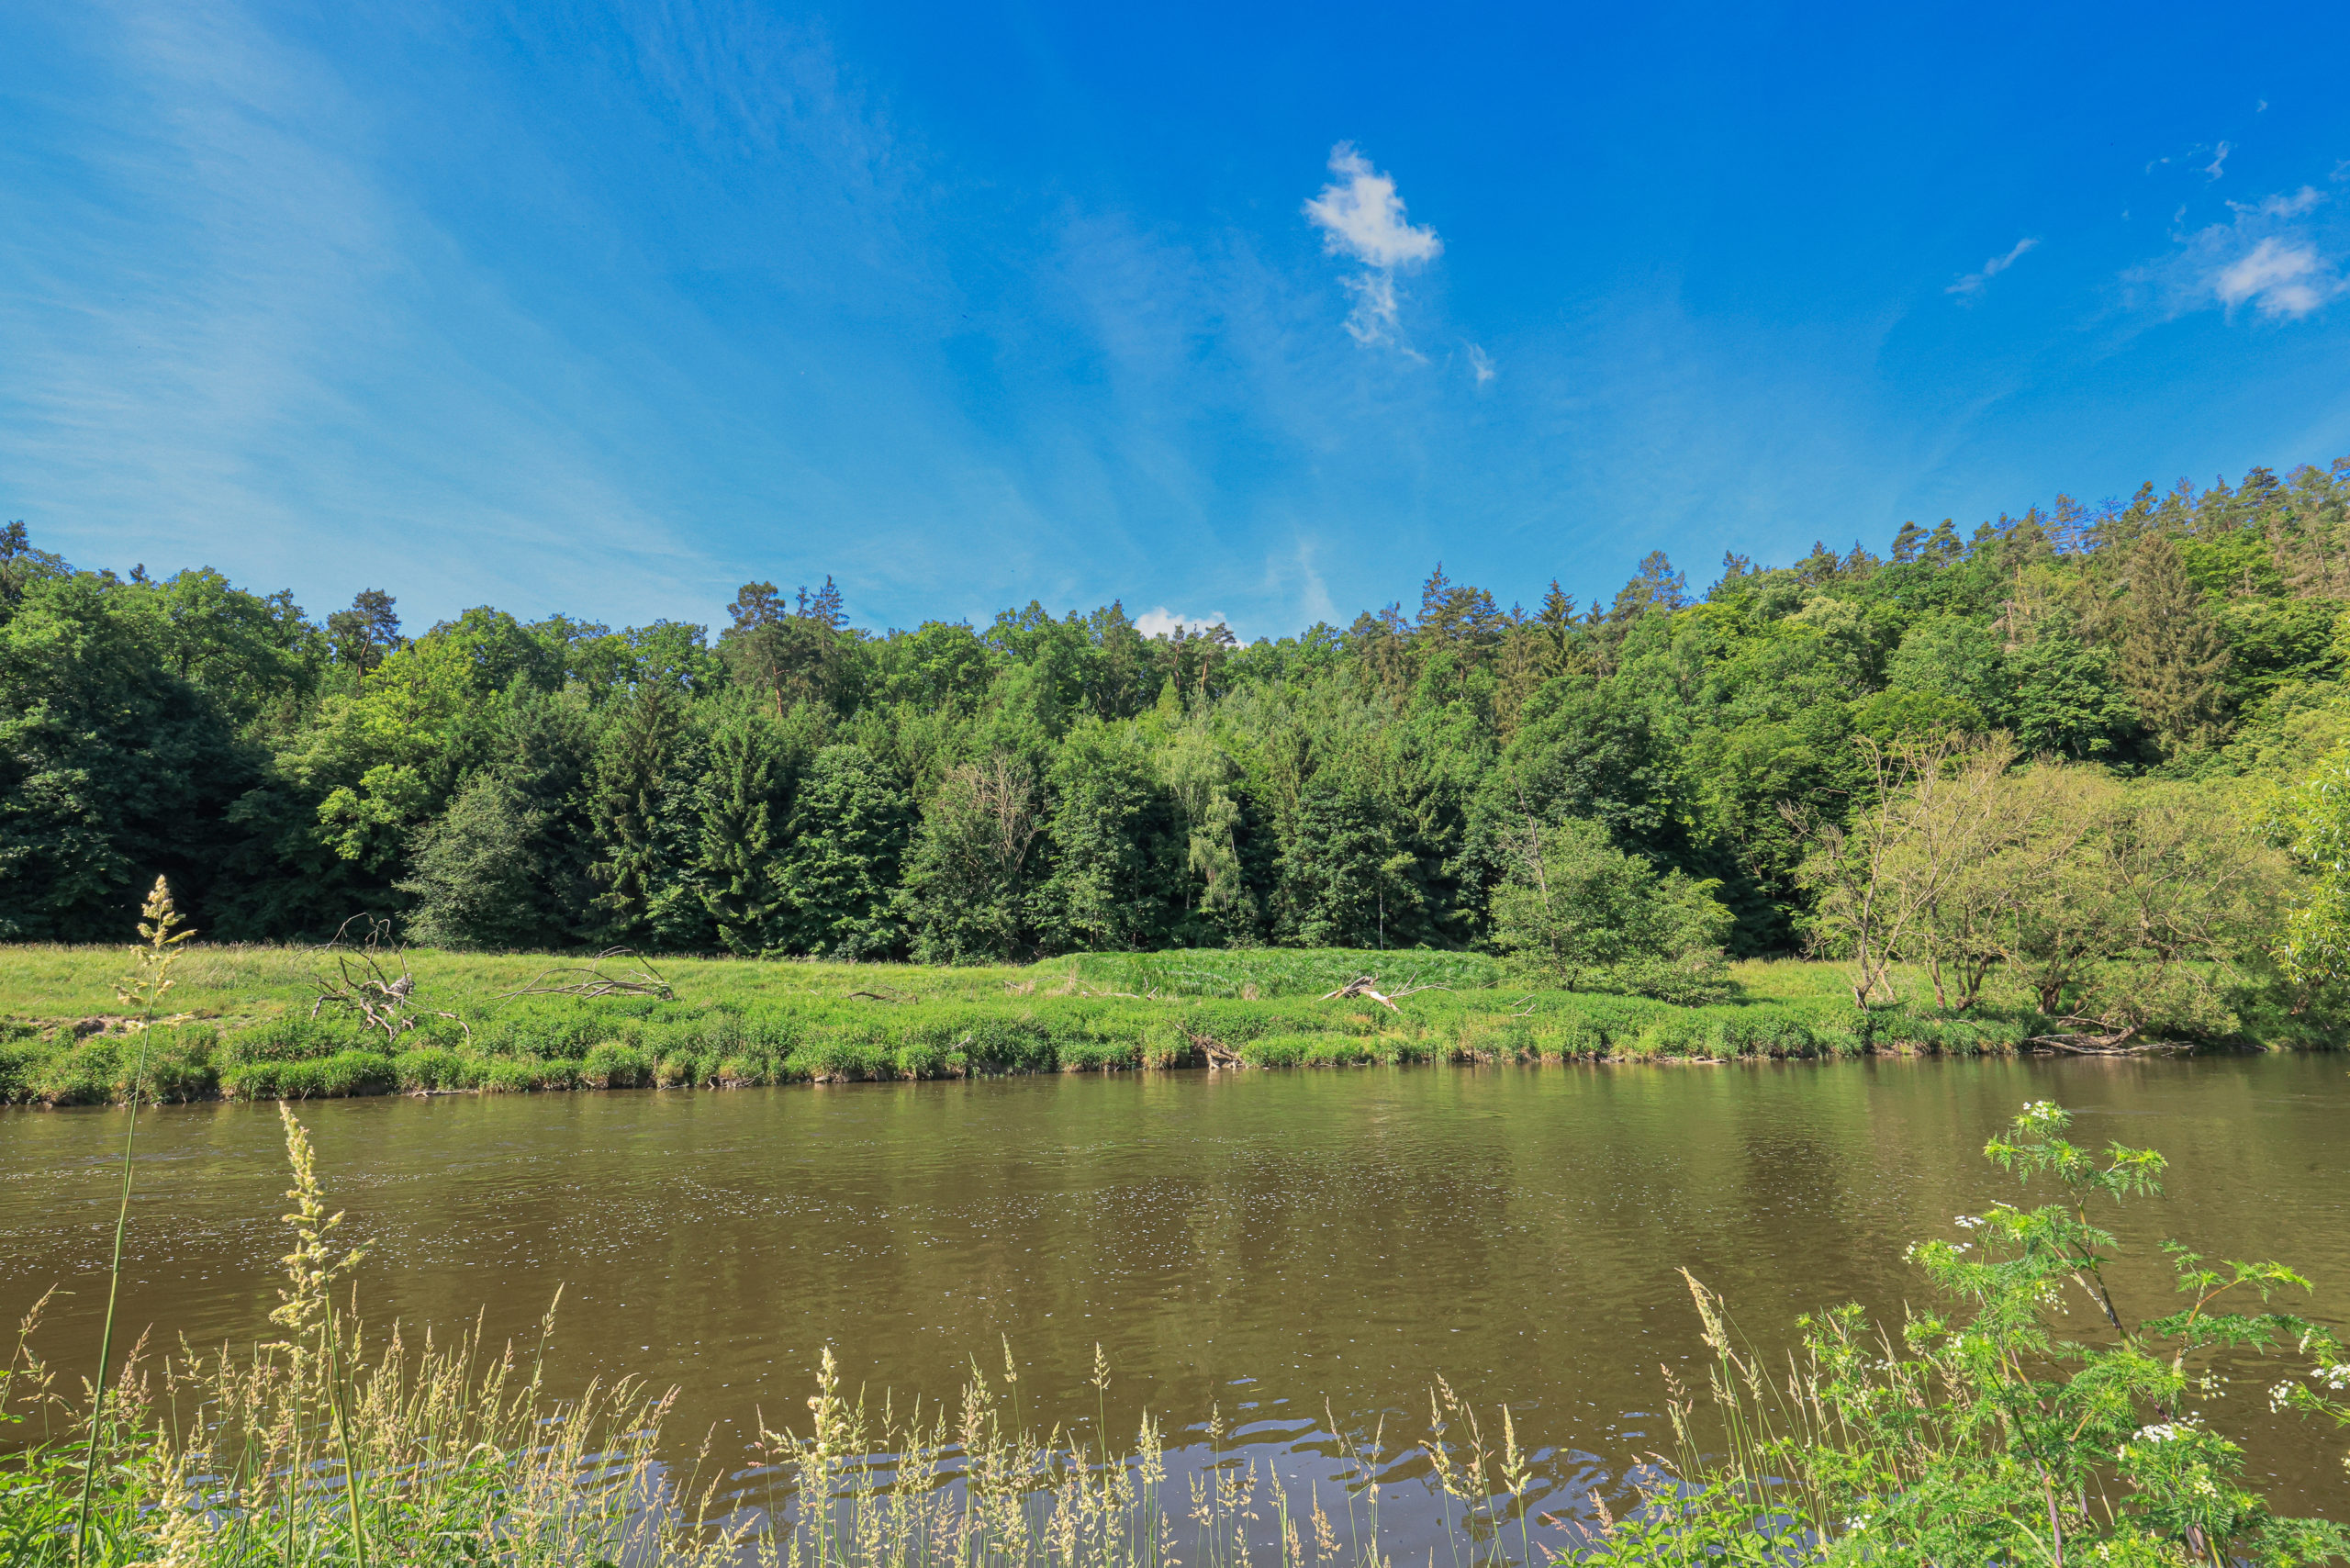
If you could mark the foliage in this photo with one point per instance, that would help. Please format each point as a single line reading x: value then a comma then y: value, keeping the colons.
x: 2117, y: 907
x: 2314, y: 945
x: 1994, y: 1426
x: 1053, y: 781
x: 1578, y: 912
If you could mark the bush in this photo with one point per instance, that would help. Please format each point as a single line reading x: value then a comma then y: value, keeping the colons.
x: 613, y: 1065
x: 1578, y: 910
x: 320, y: 1078
x: 296, y: 1037
x: 433, y: 1067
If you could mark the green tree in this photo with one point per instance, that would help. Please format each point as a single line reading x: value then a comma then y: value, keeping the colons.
x: 1346, y: 878
x: 2171, y: 655
x: 745, y: 785
x: 1578, y: 912
x: 362, y: 635
x: 639, y: 800
x: 1116, y: 865
x: 848, y: 832
x: 473, y: 874
x: 967, y: 880
x: 113, y: 767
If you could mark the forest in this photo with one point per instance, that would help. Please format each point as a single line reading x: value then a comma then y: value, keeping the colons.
x: 795, y: 784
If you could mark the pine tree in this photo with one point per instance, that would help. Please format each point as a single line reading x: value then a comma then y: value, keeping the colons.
x: 628, y: 802
x: 739, y: 796
x: 850, y: 824
x: 2171, y: 655
x: 1906, y: 543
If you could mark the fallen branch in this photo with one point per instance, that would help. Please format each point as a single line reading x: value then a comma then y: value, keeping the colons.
x: 1362, y: 985
x: 366, y: 984
x: 1219, y: 1055
x: 2085, y: 1044
x: 593, y: 981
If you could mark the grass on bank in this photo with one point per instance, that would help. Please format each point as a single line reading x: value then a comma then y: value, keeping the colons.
x: 243, y: 1028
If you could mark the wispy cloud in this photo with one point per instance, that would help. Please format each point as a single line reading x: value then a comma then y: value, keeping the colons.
x: 2273, y: 256
x: 1480, y: 365
x: 1372, y: 320
x: 2301, y: 201
x: 2219, y: 160
x: 1973, y: 283
x: 1362, y: 217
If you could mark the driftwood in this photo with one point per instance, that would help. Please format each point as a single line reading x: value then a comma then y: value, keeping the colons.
x: 1361, y: 985
x: 366, y: 982
x: 1219, y: 1055
x: 589, y: 980
x: 2114, y: 1044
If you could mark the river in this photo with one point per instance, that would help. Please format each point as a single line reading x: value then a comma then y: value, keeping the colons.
x: 1274, y: 1244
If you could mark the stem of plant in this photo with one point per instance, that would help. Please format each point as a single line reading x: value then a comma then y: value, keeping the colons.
x: 113, y: 1285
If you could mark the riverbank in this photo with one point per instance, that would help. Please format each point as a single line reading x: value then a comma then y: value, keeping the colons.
x: 243, y: 1025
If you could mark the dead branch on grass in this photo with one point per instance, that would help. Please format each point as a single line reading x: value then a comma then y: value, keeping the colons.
x: 589, y: 980
x: 1362, y: 985
x: 371, y: 980
x: 1219, y: 1055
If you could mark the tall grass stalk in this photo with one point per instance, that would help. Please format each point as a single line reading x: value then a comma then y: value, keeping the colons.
x: 143, y: 988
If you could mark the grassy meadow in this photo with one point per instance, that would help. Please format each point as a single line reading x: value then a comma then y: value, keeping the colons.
x: 240, y: 1021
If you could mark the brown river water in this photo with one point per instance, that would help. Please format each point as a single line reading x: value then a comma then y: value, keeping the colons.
x: 1275, y: 1244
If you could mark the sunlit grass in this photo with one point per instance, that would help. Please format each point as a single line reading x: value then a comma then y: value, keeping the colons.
x: 245, y: 1025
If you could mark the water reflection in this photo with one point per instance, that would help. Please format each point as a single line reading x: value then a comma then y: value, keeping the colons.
x: 1268, y: 1246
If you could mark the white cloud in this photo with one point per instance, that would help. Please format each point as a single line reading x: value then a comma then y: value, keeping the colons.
x: 2278, y: 279
x: 1360, y: 216
x: 2277, y: 255
x: 1973, y: 283
x: 1162, y: 622
x: 2219, y: 160
x: 1480, y: 365
x: 2293, y: 205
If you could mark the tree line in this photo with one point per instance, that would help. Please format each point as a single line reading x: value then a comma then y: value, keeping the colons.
x: 795, y: 784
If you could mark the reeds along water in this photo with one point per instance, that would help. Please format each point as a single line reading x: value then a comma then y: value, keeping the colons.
x: 314, y: 1447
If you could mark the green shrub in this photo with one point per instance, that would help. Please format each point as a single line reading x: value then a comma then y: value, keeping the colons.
x: 434, y: 1066
x: 298, y: 1038
x: 20, y: 1065
x: 612, y: 1065
x: 319, y: 1078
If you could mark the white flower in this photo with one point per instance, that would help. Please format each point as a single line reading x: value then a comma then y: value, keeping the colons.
x: 2282, y: 1395
x: 2166, y: 1432
x: 2336, y: 1377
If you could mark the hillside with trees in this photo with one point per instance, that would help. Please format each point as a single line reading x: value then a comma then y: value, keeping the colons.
x: 794, y: 784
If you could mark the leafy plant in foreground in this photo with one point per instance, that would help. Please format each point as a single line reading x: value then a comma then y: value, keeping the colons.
x: 1990, y: 1432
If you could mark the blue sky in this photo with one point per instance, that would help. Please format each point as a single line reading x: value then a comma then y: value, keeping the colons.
x: 1250, y: 311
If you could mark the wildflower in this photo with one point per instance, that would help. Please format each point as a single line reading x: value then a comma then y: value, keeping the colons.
x: 2282, y: 1395
x: 2166, y: 1432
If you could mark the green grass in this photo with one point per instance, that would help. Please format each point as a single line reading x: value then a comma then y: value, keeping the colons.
x: 245, y: 1029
